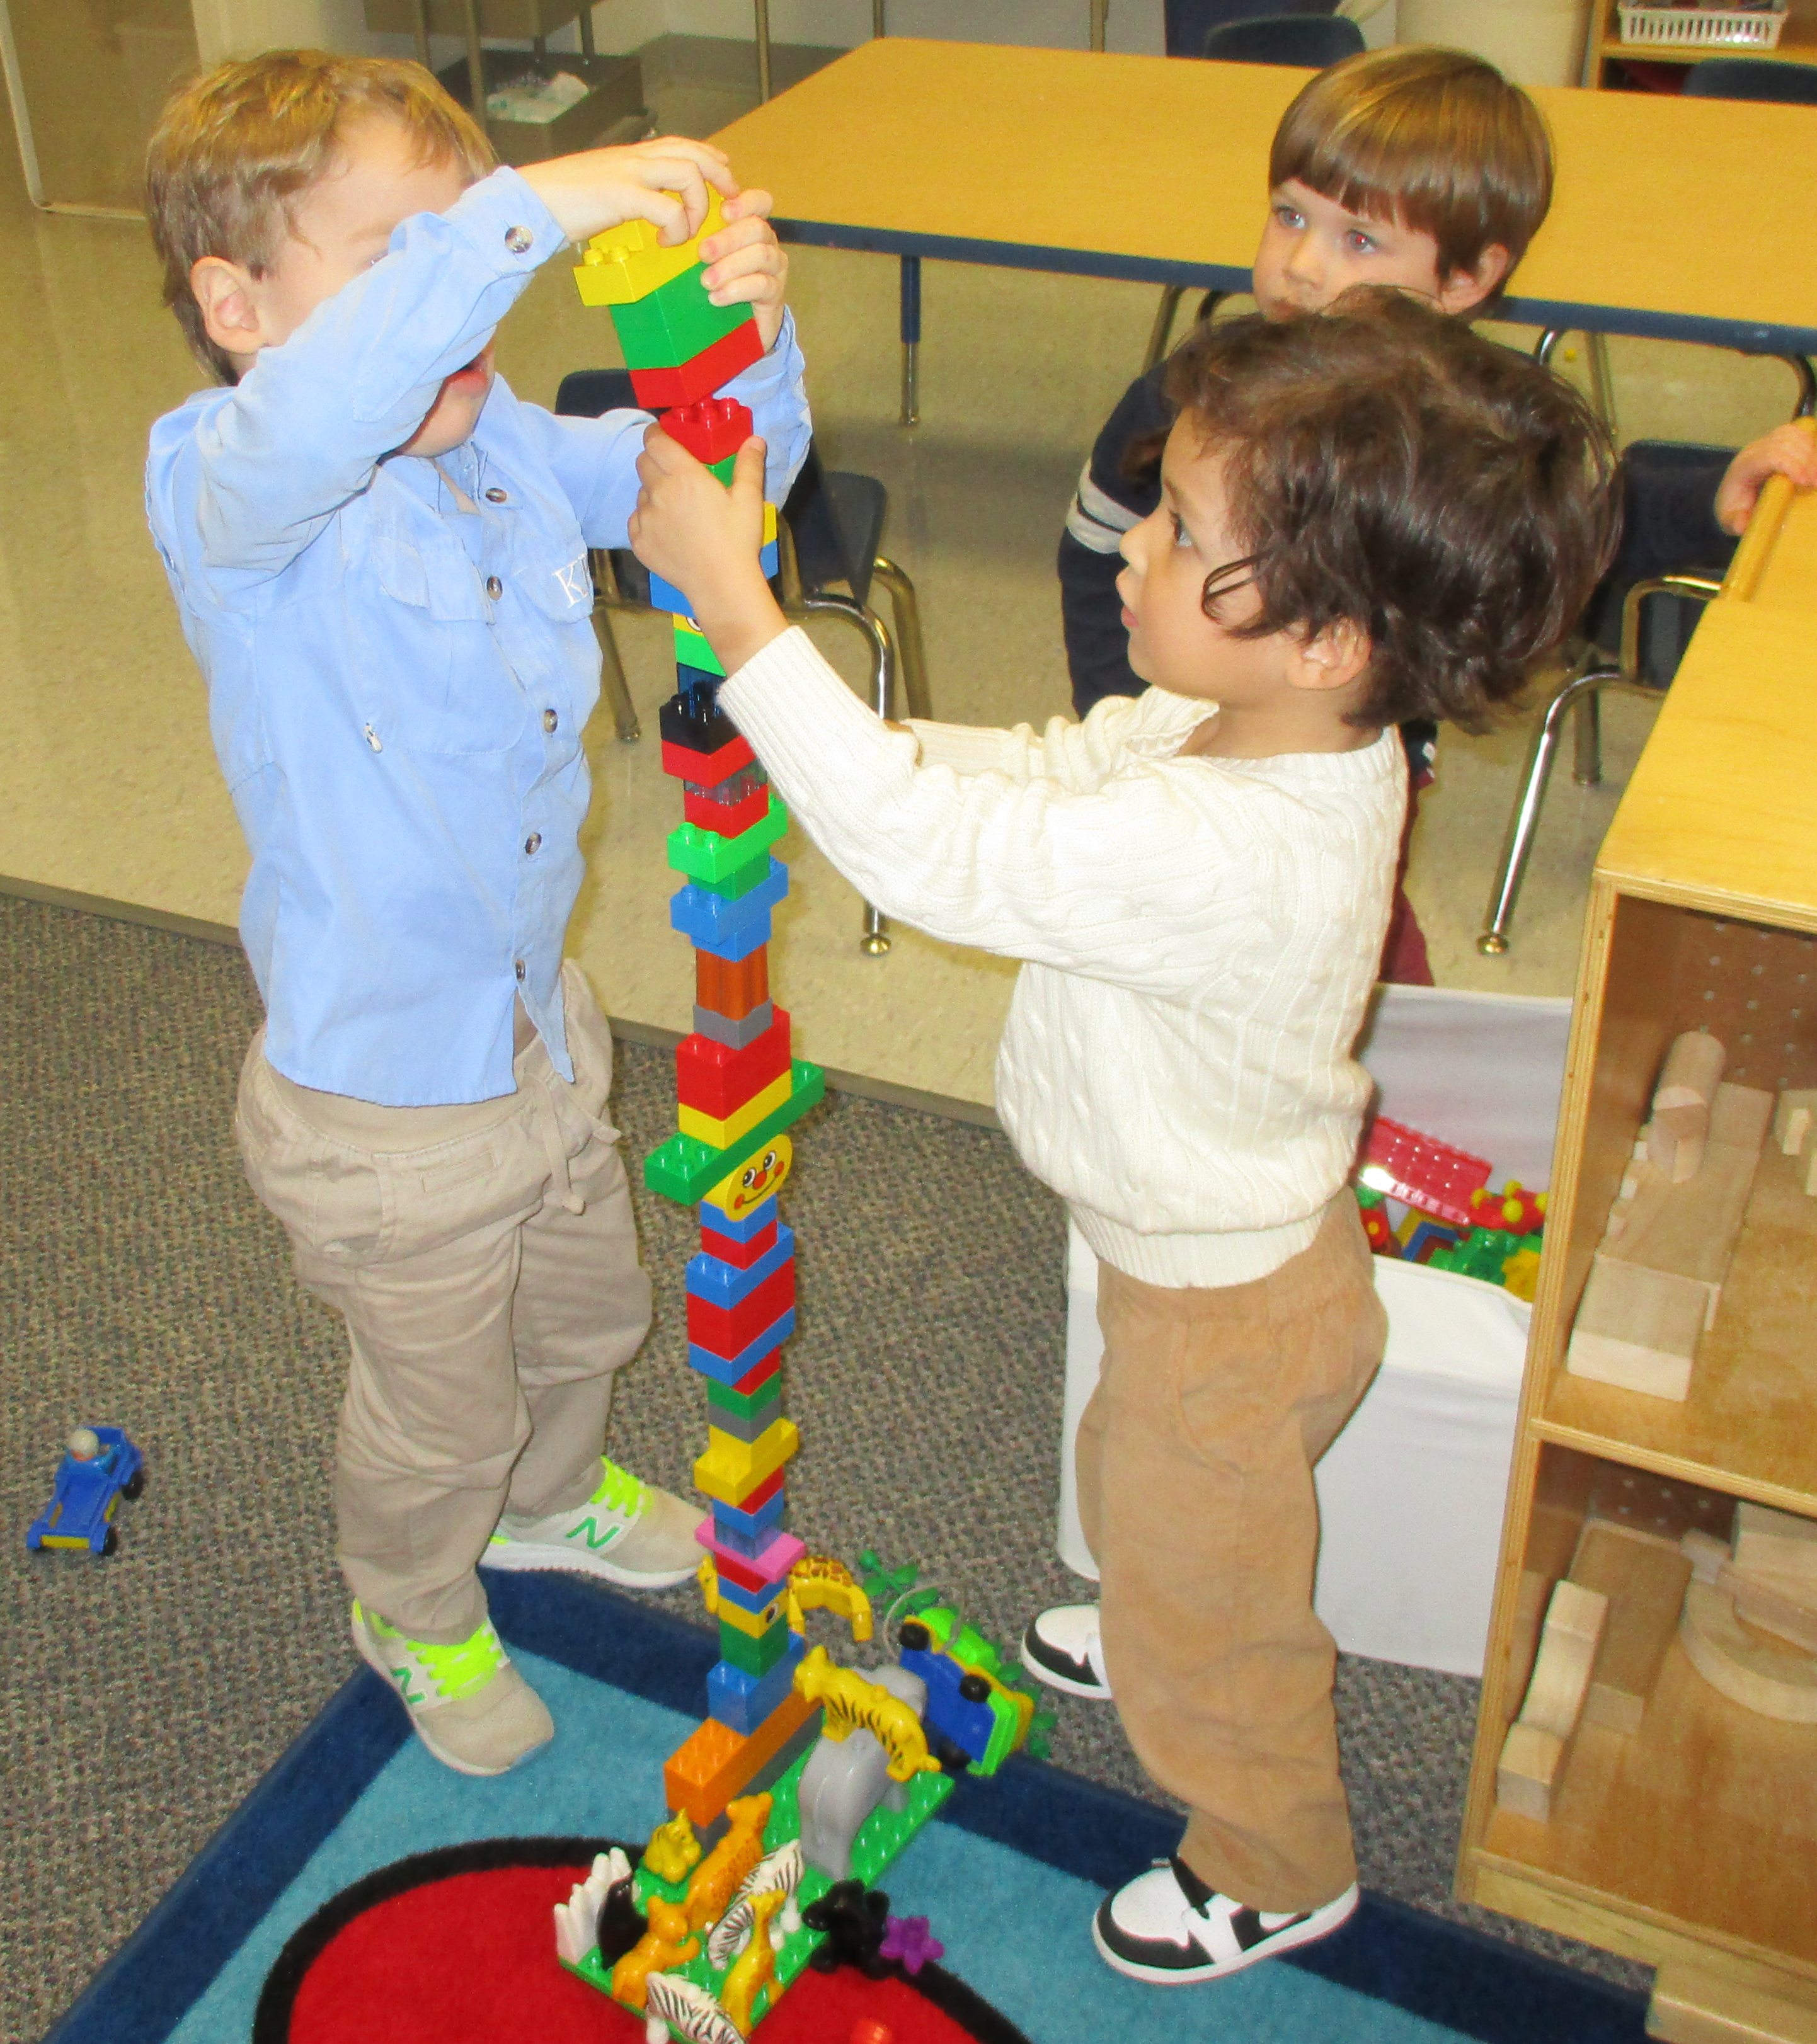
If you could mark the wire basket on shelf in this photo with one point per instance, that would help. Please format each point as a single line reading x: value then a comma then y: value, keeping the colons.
x: 1703, y: 28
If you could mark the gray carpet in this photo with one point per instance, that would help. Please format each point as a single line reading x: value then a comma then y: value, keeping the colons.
x: 141, y: 1283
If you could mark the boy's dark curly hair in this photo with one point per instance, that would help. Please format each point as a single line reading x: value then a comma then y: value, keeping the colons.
x: 1387, y: 467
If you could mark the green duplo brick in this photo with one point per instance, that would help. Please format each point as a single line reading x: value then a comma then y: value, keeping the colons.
x: 692, y: 651
x: 674, y: 323
x: 741, y: 880
x: 747, y: 1404
x: 758, y: 1656
x: 724, y: 469
x: 704, y: 855
x: 684, y: 1168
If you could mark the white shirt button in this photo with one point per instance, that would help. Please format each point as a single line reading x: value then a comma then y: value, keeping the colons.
x: 372, y: 738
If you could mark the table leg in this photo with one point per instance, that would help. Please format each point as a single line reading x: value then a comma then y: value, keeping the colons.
x: 419, y: 22
x: 877, y: 24
x: 762, y: 11
x: 1100, y: 8
x: 911, y: 339
x: 475, y: 63
x: 587, y: 44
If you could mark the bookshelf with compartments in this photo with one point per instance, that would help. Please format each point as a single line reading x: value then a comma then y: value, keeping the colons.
x: 1691, y: 1844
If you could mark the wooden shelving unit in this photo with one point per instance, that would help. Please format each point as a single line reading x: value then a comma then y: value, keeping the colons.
x: 1608, y: 52
x: 1692, y: 1844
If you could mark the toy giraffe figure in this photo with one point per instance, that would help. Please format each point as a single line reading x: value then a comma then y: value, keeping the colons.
x: 754, y: 1970
x: 740, y: 1086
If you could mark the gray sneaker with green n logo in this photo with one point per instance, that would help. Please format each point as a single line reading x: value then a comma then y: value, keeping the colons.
x: 627, y: 1532
x: 467, y: 1704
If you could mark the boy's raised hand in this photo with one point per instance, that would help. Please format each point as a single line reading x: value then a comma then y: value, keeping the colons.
x: 1789, y: 450
x: 706, y: 539
x: 664, y: 181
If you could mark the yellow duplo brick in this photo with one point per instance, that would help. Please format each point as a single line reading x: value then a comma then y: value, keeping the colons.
x: 721, y: 1135
x: 754, y: 1623
x: 769, y: 524
x: 731, y: 1469
x: 627, y: 263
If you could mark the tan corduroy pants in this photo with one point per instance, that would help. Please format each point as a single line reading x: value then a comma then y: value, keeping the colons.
x: 1195, y: 1493
x: 485, y: 1259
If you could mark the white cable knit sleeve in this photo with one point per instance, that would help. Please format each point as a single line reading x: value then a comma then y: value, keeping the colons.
x: 1106, y: 883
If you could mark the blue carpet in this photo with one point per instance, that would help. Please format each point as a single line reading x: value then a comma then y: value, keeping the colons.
x: 1009, y: 1877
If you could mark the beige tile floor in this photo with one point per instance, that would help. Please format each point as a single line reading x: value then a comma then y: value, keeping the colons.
x: 108, y: 788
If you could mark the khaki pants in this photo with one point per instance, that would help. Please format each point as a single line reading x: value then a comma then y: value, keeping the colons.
x: 485, y: 1259
x: 1195, y: 1493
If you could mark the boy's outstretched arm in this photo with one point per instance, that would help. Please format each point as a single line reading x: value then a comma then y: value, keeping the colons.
x: 1788, y: 450
x: 304, y: 429
x: 706, y: 540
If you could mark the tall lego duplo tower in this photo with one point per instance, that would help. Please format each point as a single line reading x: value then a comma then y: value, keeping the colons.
x: 738, y: 1086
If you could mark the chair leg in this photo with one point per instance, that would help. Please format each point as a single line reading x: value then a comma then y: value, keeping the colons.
x: 1586, y: 766
x: 1161, y: 333
x: 1525, y: 821
x: 875, y: 940
x: 907, y: 614
x: 612, y: 669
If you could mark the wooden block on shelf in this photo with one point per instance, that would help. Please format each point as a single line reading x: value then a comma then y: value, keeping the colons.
x: 1690, y: 2006
x: 1793, y: 1116
x: 1681, y: 1104
x: 1775, y: 1543
x: 1775, y: 1681
x: 1537, y: 1744
x: 1689, y: 1231
x: 1645, y: 1586
x: 1708, y: 1555
x: 1530, y: 1768
x: 1637, y: 1328
x: 1764, y: 1605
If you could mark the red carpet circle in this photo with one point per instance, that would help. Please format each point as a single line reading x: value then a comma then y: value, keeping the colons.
x: 457, y: 1946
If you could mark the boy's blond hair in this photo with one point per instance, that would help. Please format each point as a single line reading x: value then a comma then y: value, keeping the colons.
x: 237, y: 147
x: 1435, y: 139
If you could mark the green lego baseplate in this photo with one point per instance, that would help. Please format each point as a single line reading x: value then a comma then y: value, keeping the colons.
x: 881, y: 1840
x: 684, y: 1169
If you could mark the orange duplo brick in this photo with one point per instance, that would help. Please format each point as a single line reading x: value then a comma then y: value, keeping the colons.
x: 715, y: 1763
x: 732, y: 989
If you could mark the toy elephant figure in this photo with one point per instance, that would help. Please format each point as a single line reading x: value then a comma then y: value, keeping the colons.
x: 845, y: 1780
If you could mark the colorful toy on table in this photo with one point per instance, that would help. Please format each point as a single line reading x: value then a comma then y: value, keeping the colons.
x: 1422, y: 1238
x: 100, y: 1466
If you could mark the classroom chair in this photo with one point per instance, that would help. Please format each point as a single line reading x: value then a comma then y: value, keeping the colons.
x: 1646, y: 660
x: 1311, y: 36
x: 1752, y: 78
x: 828, y: 533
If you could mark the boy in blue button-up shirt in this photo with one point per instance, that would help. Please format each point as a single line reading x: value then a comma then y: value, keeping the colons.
x: 380, y: 556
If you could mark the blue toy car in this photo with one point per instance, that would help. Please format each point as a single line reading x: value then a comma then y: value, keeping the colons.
x: 99, y: 1467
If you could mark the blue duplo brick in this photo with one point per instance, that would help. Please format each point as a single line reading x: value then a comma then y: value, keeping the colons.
x: 722, y: 1283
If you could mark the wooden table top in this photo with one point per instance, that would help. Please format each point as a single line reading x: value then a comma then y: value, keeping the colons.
x: 1681, y: 219
x: 1721, y: 813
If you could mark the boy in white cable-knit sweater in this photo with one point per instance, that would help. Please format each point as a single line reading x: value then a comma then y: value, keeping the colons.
x: 1365, y: 516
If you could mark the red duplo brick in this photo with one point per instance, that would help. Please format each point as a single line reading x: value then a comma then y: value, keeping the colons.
x: 740, y: 1256
x: 759, y: 1374
x: 713, y: 1078
x: 724, y: 1329
x: 709, y: 430
x: 764, y: 1491
x: 701, y: 375
x: 708, y: 768
x: 728, y: 819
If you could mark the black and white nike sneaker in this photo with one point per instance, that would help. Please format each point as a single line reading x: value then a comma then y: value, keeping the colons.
x: 1166, y: 1926
x: 1062, y: 1648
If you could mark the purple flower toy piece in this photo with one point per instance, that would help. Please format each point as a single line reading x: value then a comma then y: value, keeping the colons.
x: 909, y: 1941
